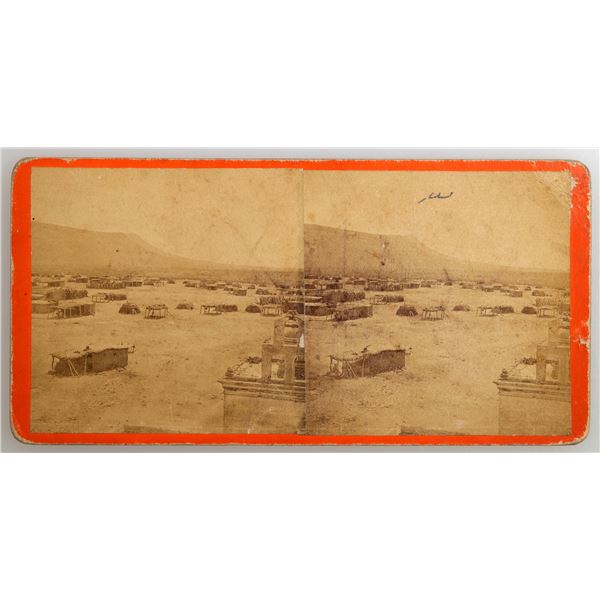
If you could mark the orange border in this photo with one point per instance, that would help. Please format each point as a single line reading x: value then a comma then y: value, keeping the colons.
x: 21, y: 300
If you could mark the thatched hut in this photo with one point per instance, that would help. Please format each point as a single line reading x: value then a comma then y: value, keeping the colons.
x: 529, y: 310
x: 335, y: 296
x: 112, y: 297
x: 504, y: 309
x: 55, y: 282
x: 133, y: 283
x: 386, y: 298
x: 65, y: 293
x: 128, y: 308
x: 156, y: 311
x: 317, y: 309
x: 349, y: 313
x: 270, y: 299
x: 433, y: 313
x: 252, y: 308
x: 74, y: 308
x: 562, y: 303
x: 294, y: 304
x: 462, y: 308
x: 227, y: 307
x: 43, y: 307
x: 261, y: 291
x: 379, y: 285
x: 105, y: 283
x: 406, y: 310
x: 185, y: 306
x: 210, y: 309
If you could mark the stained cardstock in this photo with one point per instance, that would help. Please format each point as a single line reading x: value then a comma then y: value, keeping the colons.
x: 300, y: 302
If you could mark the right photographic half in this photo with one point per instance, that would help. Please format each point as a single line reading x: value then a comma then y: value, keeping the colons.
x: 437, y: 302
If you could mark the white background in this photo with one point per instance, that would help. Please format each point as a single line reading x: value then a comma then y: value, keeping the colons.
x: 307, y: 74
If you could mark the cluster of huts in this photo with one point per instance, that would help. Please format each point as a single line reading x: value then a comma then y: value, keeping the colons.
x: 236, y: 289
x: 65, y: 303
x: 116, y: 283
x: 343, y: 299
x: 52, y: 296
x: 335, y: 298
x: 545, y: 303
x: 55, y: 297
x: 269, y: 301
x: 393, y: 285
x: 330, y: 298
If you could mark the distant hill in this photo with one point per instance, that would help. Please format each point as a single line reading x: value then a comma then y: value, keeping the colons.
x: 331, y: 251
x: 55, y: 248
x: 327, y: 251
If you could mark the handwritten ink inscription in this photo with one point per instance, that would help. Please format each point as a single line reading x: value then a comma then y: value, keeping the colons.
x: 438, y: 196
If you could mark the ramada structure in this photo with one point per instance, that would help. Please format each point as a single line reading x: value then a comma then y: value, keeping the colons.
x: 89, y: 361
x: 156, y: 311
x: 367, y: 363
x: 74, y: 308
x: 267, y: 394
x: 538, y: 402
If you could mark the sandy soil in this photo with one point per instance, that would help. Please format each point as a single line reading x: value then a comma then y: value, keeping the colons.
x: 447, y: 384
x: 171, y: 382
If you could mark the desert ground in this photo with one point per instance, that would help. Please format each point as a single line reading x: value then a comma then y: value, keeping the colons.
x: 171, y: 381
x: 447, y: 384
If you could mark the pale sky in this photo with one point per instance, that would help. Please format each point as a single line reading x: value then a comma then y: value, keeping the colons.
x: 254, y: 216
x: 511, y: 219
x: 235, y: 216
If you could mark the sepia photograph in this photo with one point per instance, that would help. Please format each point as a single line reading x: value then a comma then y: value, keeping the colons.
x: 437, y: 303
x: 163, y: 300
x: 319, y: 302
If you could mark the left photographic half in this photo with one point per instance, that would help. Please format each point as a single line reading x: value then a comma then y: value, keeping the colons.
x: 166, y: 300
